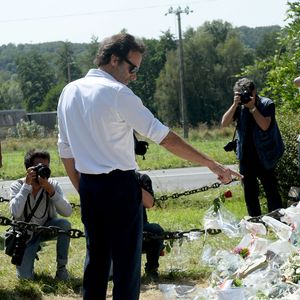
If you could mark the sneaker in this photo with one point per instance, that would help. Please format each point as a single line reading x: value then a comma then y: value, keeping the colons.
x: 62, y: 274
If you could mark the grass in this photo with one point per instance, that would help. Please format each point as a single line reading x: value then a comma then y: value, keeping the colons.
x: 182, y: 265
x: 208, y: 141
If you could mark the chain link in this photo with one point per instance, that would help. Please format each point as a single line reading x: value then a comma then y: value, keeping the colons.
x: 76, y: 233
x: 190, y: 192
x: 174, y: 235
x: 276, y: 214
x: 3, y: 200
x: 35, y: 228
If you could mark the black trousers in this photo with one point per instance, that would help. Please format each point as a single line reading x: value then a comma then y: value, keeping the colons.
x: 252, y: 170
x: 111, y: 210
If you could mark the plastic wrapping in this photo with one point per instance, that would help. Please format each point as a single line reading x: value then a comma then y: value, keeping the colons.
x: 222, y: 219
x: 171, y: 291
x: 283, y: 231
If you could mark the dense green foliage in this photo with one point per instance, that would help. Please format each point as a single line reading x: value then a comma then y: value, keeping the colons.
x: 213, y: 55
x: 288, y: 166
x: 276, y: 73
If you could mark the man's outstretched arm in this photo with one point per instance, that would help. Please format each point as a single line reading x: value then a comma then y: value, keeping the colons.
x: 176, y: 145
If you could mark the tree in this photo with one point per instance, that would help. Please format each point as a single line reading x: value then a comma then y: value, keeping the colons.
x: 167, y: 92
x: 153, y: 62
x: 51, y: 99
x: 68, y: 67
x: 11, y: 96
x: 212, y: 56
x: 86, y: 59
x: 280, y: 69
x: 35, y: 77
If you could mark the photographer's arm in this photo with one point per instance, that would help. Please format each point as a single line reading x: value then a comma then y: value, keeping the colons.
x: 227, y: 118
x: 262, y: 121
x: 74, y: 175
x: 147, y: 198
x: 175, y: 144
x: 61, y: 203
x: 18, y: 194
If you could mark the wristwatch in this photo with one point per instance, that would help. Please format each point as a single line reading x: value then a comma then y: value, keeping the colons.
x: 252, y: 110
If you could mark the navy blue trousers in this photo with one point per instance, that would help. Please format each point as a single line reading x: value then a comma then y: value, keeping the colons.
x: 111, y: 211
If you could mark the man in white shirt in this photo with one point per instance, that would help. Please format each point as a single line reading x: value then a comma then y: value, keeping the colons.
x: 96, y: 117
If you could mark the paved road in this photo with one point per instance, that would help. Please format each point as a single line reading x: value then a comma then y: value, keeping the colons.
x: 168, y: 180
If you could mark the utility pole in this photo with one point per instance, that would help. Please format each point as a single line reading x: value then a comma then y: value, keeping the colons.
x: 178, y: 12
x: 69, y: 71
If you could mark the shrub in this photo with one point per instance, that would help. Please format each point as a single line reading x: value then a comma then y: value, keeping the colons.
x: 28, y: 129
x: 287, y: 168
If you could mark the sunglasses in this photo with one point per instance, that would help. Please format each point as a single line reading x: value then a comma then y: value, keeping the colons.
x: 133, y: 68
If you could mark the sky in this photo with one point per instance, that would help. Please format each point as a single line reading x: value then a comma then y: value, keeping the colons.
x: 38, y: 21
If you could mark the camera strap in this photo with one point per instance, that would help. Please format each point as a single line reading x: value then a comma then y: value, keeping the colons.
x: 29, y: 217
x: 233, y: 137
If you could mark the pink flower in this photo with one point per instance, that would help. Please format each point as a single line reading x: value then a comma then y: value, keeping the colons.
x: 243, y: 252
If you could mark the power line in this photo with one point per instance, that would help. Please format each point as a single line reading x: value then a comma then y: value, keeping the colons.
x: 86, y: 14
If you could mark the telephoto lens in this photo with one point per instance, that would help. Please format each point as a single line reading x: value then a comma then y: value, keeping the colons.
x: 20, y: 247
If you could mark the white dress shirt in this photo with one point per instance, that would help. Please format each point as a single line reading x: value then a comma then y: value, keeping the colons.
x: 96, y: 118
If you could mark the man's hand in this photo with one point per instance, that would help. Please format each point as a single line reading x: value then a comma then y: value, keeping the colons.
x: 44, y: 183
x: 30, y: 176
x: 33, y: 179
x: 225, y: 175
x: 236, y: 99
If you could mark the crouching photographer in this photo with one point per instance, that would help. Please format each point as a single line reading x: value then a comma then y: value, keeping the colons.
x: 38, y: 199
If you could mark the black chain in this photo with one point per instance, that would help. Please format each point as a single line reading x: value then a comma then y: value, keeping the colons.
x: 76, y: 233
x: 177, y: 195
x: 274, y: 214
x: 74, y: 205
x: 174, y: 235
x: 35, y: 228
x: 166, y: 197
x: 3, y: 200
x: 191, y: 192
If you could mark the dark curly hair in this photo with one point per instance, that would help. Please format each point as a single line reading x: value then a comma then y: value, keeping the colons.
x: 32, y: 154
x: 244, y: 84
x: 119, y: 45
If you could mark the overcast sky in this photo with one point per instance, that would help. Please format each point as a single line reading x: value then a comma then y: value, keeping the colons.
x: 37, y: 21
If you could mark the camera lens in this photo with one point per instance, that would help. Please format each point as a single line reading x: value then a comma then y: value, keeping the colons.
x: 44, y: 172
x: 245, y: 97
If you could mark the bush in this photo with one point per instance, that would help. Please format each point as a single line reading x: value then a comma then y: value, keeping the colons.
x: 287, y: 168
x: 28, y: 129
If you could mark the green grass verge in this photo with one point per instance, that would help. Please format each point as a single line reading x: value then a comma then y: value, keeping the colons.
x: 209, y: 142
x: 182, y: 265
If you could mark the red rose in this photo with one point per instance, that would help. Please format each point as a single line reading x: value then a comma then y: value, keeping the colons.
x: 228, y: 194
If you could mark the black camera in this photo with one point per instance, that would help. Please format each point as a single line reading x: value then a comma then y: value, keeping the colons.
x: 140, y: 147
x: 20, y: 246
x: 245, y: 96
x: 42, y: 170
x: 231, y: 146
